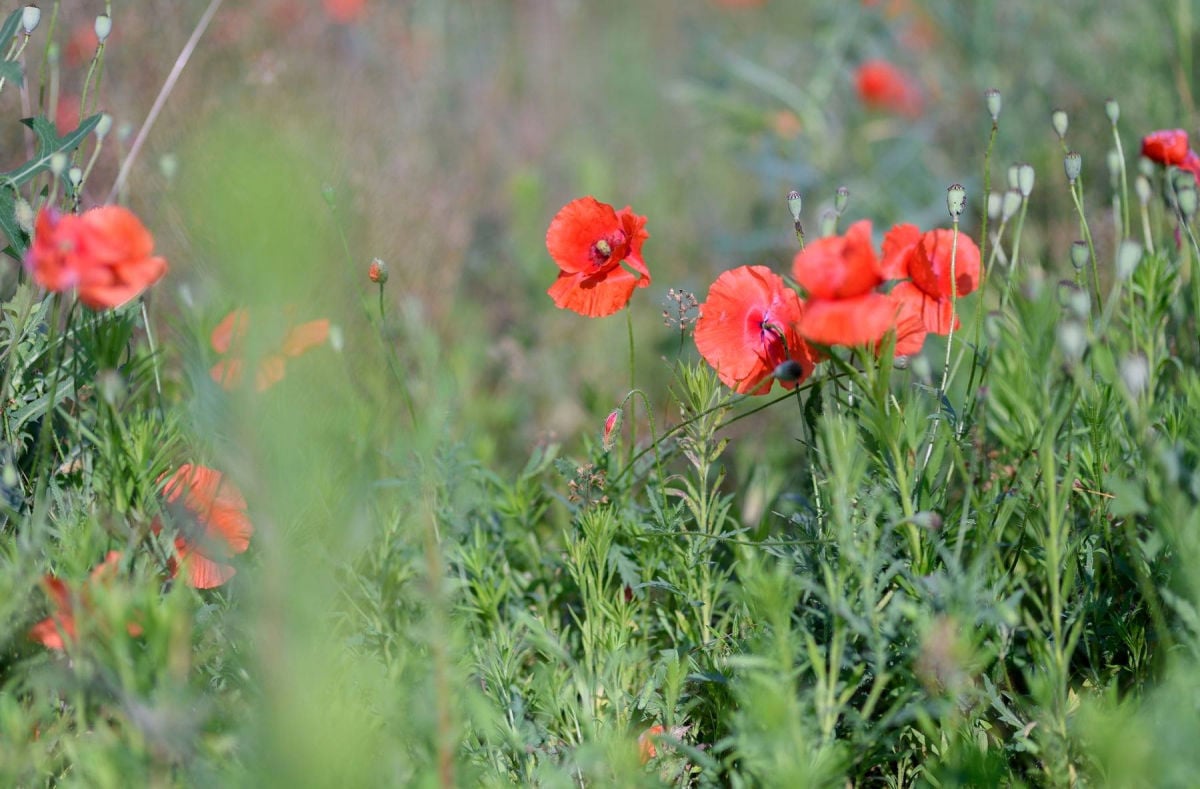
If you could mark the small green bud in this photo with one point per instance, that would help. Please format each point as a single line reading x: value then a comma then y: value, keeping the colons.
x: 956, y: 200
x: 828, y: 223
x: 103, y: 27
x: 995, y: 202
x: 1058, y: 119
x: 991, y: 98
x: 58, y: 163
x: 1025, y: 177
x: 103, y: 126
x: 1074, y: 299
x: 1186, y: 198
x: 1011, y: 204
x: 30, y: 16
x: 1013, y: 169
x: 1072, y: 340
x: 1080, y: 255
x: 1135, y: 374
x: 1112, y: 110
x: 24, y: 214
x: 795, y: 203
x: 75, y: 176
x: 1073, y: 165
x: 840, y: 198
x: 1147, y: 167
x: 1129, y: 254
x: 1141, y: 186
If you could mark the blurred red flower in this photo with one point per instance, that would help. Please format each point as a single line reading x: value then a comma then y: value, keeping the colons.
x: 839, y: 275
x: 589, y: 241
x: 747, y: 328
x: 227, y: 339
x: 924, y: 260
x: 344, y: 12
x: 1191, y: 163
x: 883, y: 86
x: 57, y: 629
x: 106, y: 254
x: 1166, y: 146
x: 213, y: 525
x: 645, y: 741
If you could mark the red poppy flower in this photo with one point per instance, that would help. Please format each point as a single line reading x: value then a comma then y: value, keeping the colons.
x: 885, y: 87
x: 589, y: 241
x: 838, y: 267
x: 1191, y: 163
x: 1166, y: 146
x: 747, y: 328
x: 213, y: 524
x: 645, y: 741
x: 925, y: 260
x: 106, y: 254
x: 230, y: 333
x: 57, y: 629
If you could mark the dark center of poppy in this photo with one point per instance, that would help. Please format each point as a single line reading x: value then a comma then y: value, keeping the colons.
x: 602, y: 251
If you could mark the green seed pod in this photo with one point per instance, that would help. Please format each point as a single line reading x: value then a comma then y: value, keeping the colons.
x: 1080, y: 255
x: 1141, y: 186
x: 991, y: 98
x: 995, y: 202
x: 956, y: 200
x: 31, y: 15
x: 828, y: 223
x: 1011, y: 204
x: 1025, y: 177
x: 1112, y: 110
x: 103, y: 27
x: 1058, y: 119
x: 1072, y: 340
x: 1186, y: 198
x: 1073, y: 165
x: 794, y: 204
x: 1013, y: 169
x: 840, y: 198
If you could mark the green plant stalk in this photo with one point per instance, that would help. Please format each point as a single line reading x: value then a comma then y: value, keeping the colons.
x: 1124, y: 230
x: 1077, y: 198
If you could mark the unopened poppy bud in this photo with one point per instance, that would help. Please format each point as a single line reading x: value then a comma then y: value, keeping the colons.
x: 30, y: 16
x: 1012, y: 204
x: 1025, y: 176
x: 840, y: 198
x: 58, y: 163
x: 1013, y: 169
x: 75, y: 176
x: 1135, y: 374
x: 103, y: 126
x: 1129, y: 254
x: 956, y: 200
x: 1072, y: 340
x: 1113, y: 160
x: 1112, y: 110
x: 1142, y: 187
x: 991, y: 98
x: 1074, y: 299
x: 24, y: 214
x: 794, y: 204
x: 828, y: 223
x: 1079, y: 255
x: 610, y: 427
x: 103, y: 27
x: 788, y: 371
x: 377, y: 272
x: 1058, y: 119
x: 1147, y: 167
x: 1072, y: 165
x: 1186, y: 200
x: 995, y: 202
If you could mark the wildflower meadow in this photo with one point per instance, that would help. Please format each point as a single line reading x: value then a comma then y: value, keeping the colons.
x: 555, y: 393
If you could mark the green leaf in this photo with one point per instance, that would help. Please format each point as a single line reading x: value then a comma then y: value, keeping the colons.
x: 11, y: 70
x: 9, y: 28
x: 49, y: 143
x: 1128, y: 498
x: 8, y: 225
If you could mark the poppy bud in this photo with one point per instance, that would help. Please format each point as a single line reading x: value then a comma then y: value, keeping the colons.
x: 828, y: 223
x: 994, y: 203
x: 1079, y: 255
x: 610, y: 426
x: 788, y: 371
x: 1013, y: 169
x: 103, y: 27
x: 991, y: 98
x: 103, y: 126
x: 1129, y: 254
x: 1186, y: 200
x: 1058, y: 119
x: 840, y: 198
x: 1072, y: 165
x: 1072, y: 340
x: 377, y: 272
x: 30, y: 16
x: 1074, y: 299
x: 1025, y: 177
x: 1011, y: 204
x: 794, y: 204
x: 24, y: 214
x: 1142, y: 187
x: 1135, y: 374
x: 58, y: 163
x: 75, y: 176
x: 956, y: 200
x: 1112, y: 110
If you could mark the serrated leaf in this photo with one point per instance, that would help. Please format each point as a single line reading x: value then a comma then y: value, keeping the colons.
x: 10, y: 228
x: 49, y: 143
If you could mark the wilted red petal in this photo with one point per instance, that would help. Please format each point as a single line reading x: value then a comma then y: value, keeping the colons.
x: 645, y: 741
x: 838, y: 267
x: 219, y: 510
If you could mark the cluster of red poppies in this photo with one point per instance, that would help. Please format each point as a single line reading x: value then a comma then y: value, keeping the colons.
x: 1170, y: 148
x: 753, y: 328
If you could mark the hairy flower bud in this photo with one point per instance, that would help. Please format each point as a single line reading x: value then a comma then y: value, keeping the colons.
x: 1059, y: 120
x: 103, y: 27
x: 1142, y: 187
x: 103, y: 126
x: 377, y: 272
x: 1010, y: 205
x: 992, y: 99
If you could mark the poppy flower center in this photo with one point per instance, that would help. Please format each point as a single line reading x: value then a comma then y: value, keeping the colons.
x: 602, y: 251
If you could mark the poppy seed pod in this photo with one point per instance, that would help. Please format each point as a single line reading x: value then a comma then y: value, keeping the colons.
x: 788, y: 371
x: 1142, y: 187
x: 1186, y: 200
x: 995, y: 202
x: 1010, y: 205
x: 1079, y: 255
x: 956, y: 200
x: 103, y: 126
x: 795, y: 203
x: 828, y: 223
x: 103, y: 27
x: 1013, y: 169
x: 1058, y: 119
x: 1072, y: 165
x: 1072, y: 341
x: 840, y: 198
x: 31, y: 15
x: 377, y: 272
x: 58, y: 163
x: 992, y: 99
x: 1025, y: 176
